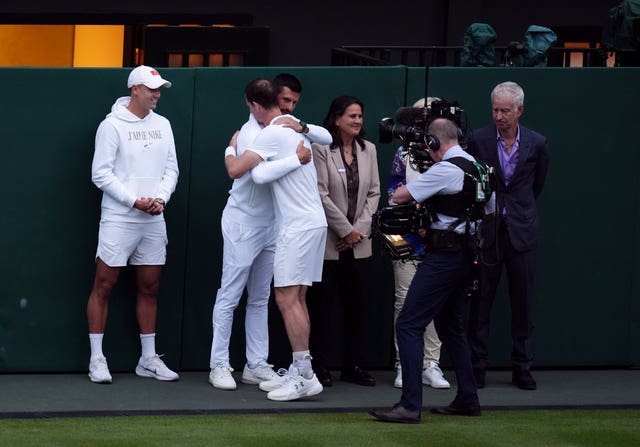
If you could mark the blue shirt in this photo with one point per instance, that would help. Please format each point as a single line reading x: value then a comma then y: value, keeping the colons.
x: 444, y: 178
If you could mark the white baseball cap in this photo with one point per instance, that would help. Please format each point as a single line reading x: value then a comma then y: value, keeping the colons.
x: 147, y: 76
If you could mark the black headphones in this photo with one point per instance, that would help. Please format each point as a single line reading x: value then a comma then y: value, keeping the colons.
x: 432, y: 142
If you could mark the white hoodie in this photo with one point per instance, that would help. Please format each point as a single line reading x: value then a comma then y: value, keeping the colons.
x: 134, y: 157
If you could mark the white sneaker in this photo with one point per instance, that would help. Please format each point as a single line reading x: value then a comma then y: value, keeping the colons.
x: 296, y: 386
x: 220, y: 377
x: 432, y: 376
x: 99, y: 371
x: 398, y: 381
x: 155, y: 368
x: 261, y: 373
x: 276, y: 382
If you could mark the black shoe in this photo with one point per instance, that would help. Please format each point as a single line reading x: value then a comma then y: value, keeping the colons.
x: 358, y: 376
x: 397, y: 414
x: 324, y: 376
x: 455, y: 410
x: 479, y: 375
x: 523, y: 380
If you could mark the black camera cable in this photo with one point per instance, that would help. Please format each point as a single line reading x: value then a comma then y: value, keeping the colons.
x: 496, y: 223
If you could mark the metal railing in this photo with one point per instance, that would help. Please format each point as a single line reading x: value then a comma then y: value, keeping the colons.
x: 439, y: 56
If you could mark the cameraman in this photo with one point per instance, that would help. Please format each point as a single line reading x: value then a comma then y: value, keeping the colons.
x: 403, y: 171
x: 437, y: 290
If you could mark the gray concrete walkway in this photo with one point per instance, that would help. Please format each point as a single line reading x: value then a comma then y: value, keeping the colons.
x: 51, y: 395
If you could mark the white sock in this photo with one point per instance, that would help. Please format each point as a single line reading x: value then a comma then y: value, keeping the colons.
x: 95, y: 341
x: 302, y: 361
x: 148, y: 342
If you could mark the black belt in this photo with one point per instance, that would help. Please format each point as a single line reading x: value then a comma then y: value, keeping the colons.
x: 444, y: 240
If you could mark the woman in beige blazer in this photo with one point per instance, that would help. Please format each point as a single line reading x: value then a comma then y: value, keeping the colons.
x: 349, y: 186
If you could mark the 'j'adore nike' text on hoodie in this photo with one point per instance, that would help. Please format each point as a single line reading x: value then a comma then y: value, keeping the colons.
x: 134, y: 157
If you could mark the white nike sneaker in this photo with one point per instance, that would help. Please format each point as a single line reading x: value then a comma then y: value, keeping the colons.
x: 261, y: 373
x: 155, y: 368
x: 220, y: 377
x: 295, y: 387
x: 99, y: 371
x: 433, y: 376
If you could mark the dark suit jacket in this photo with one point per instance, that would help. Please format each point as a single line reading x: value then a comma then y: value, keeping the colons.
x: 519, y: 197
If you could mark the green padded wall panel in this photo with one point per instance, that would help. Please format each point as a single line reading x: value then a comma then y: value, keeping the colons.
x: 588, y: 268
x: 50, y: 224
x: 220, y: 110
x: 588, y: 272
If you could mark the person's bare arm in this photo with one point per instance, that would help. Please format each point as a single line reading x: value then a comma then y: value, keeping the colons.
x: 401, y: 195
x: 238, y: 166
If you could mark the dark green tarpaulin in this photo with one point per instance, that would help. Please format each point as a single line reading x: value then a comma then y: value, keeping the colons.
x: 621, y: 30
x: 537, y: 41
x: 478, y: 50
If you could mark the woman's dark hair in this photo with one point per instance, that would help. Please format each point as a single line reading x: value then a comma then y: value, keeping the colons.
x: 336, y: 109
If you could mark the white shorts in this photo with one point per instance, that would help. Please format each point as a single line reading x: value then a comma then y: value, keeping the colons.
x: 299, y: 257
x: 135, y: 243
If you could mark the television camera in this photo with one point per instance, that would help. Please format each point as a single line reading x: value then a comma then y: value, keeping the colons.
x: 398, y: 225
x: 409, y: 126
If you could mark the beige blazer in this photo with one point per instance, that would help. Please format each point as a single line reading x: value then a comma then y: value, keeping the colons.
x: 332, y: 184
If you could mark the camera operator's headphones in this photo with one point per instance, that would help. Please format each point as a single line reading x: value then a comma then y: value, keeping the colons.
x: 433, y: 143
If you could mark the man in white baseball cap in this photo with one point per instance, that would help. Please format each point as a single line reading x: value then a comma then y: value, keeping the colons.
x: 147, y: 76
x: 135, y: 166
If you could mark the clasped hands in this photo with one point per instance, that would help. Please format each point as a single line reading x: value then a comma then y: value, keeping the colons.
x: 149, y: 205
x: 350, y: 240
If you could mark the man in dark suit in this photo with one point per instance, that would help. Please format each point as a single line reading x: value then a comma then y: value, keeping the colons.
x: 520, y: 157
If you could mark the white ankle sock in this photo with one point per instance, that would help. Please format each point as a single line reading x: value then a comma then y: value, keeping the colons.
x: 95, y: 341
x: 302, y: 361
x: 148, y: 342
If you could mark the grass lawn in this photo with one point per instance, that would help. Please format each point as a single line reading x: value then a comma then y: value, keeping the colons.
x: 546, y: 428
